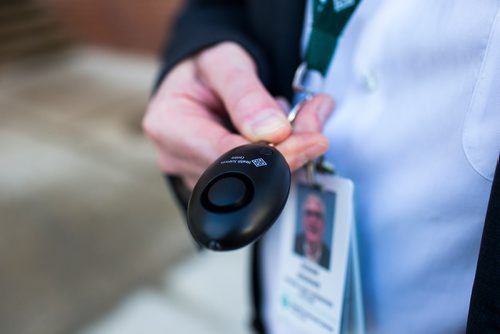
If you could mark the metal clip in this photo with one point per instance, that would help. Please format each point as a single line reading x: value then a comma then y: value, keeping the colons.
x: 296, y: 108
x: 306, y: 83
x: 307, y: 80
x: 320, y: 166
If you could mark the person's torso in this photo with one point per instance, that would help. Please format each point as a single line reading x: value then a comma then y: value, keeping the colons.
x: 417, y: 128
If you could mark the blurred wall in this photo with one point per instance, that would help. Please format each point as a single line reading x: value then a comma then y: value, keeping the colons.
x: 28, y: 29
x: 133, y: 25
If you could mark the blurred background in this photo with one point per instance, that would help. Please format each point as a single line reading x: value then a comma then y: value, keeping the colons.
x: 90, y: 239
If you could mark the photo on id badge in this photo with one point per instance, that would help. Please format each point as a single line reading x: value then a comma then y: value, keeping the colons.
x: 314, y: 225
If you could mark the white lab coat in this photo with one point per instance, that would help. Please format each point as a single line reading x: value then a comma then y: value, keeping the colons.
x: 417, y: 128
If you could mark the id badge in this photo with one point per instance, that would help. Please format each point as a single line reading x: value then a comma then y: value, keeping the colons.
x: 315, y: 255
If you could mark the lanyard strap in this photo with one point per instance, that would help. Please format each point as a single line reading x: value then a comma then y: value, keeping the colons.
x: 329, y: 20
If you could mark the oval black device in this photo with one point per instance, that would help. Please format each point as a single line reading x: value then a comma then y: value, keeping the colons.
x: 239, y: 197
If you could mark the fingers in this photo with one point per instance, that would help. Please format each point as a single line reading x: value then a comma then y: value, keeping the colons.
x: 303, y: 147
x: 188, y: 137
x: 181, y: 82
x: 313, y: 114
x: 231, y: 73
x: 307, y: 143
x: 184, y: 117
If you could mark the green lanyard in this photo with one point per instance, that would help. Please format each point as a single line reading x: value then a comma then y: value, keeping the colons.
x: 329, y: 20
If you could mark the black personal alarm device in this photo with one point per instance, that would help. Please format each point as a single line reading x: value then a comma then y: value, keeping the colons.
x: 239, y: 197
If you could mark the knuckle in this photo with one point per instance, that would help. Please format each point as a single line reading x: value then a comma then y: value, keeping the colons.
x: 153, y: 123
x: 225, y: 56
x: 227, y: 48
x: 230, y: 46
x: 167, y: 165
x: 150, y: 124
x: 212, y: 56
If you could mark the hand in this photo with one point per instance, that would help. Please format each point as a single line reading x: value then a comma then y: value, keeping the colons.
x: 188, y: 116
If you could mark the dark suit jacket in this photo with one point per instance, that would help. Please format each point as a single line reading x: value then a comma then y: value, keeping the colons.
x: 270, y: 31
x: 324, y: 259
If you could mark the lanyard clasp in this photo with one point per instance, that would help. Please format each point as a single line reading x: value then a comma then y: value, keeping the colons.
x: 307, y: 83
x: 306, y: 80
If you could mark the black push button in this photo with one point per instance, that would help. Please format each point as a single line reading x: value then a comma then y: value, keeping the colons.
x: 228, y: 192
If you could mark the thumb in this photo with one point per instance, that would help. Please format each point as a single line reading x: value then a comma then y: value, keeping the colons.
x: 231, y: 73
